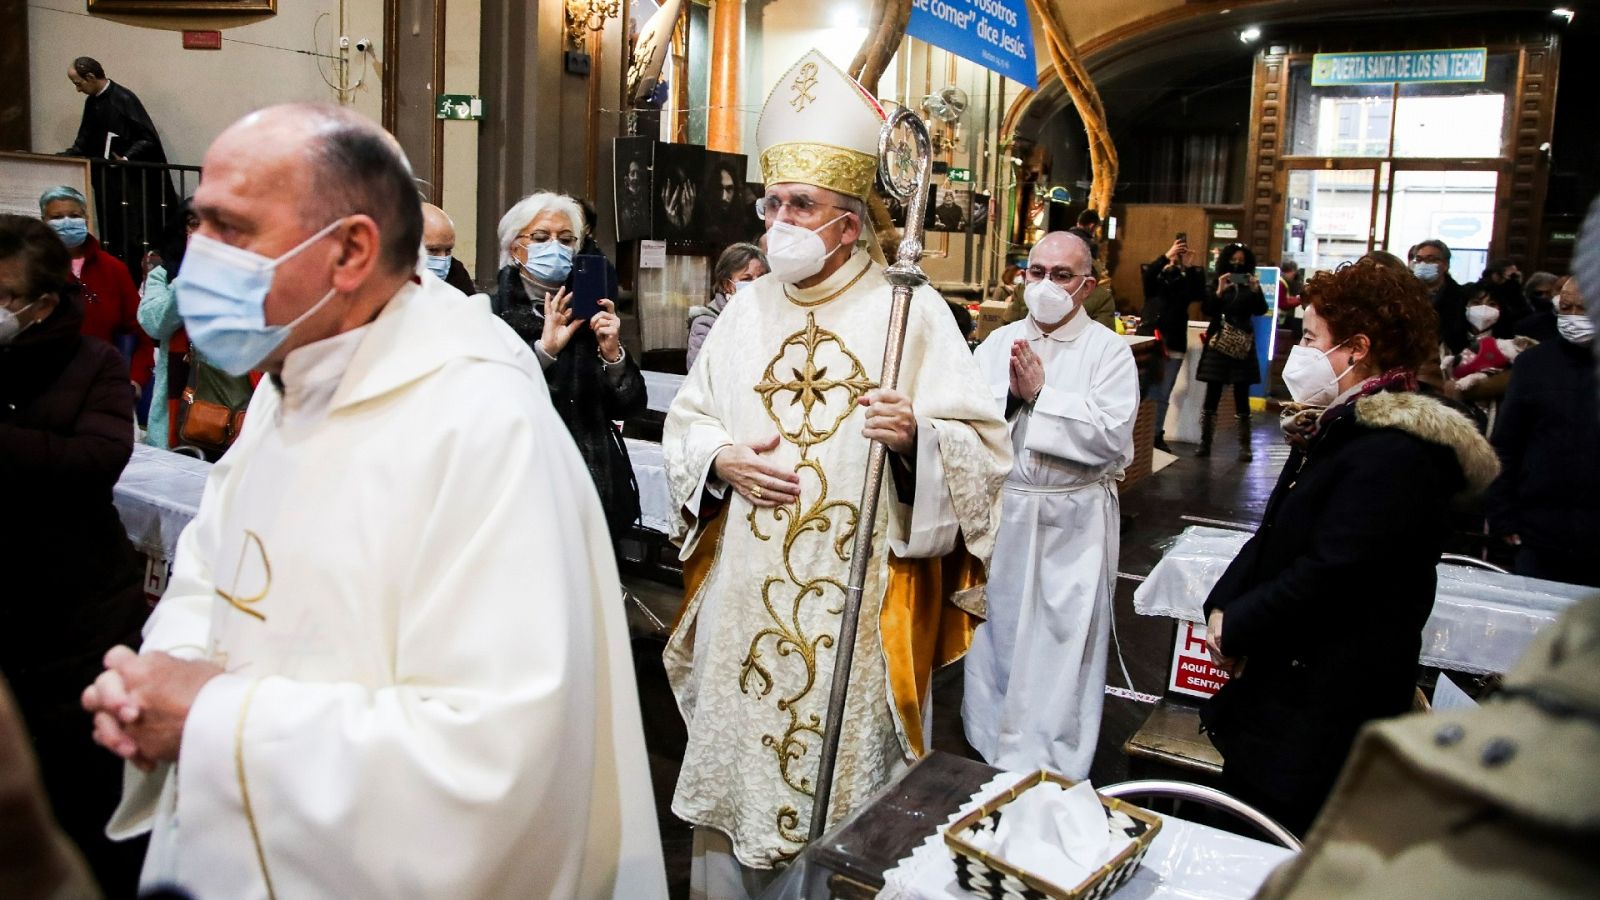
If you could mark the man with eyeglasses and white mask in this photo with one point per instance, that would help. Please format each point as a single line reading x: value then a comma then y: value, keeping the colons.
x: 766, y: 450
x: 390, y: 661
x: 1035, y: 679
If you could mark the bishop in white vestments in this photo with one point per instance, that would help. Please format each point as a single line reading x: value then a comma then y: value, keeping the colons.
x: 766, y: 448
x: 391, y: 660
x: 1035, y: 679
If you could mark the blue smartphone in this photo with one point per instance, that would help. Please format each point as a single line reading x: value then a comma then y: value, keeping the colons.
x: 592, y: 280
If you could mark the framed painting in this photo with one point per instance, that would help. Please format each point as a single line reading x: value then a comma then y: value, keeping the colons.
x: 185, y: 7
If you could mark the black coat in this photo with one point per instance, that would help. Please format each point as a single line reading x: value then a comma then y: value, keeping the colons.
x: 588, y: 399
x: 458, y: 278
x: 129, y: 201
x: 1167, y: 296
x: 1325, y: 604
x: 1236, y: 305
x: 1450, y: 302
x: 1547, y: 434
x: 1541, y: 326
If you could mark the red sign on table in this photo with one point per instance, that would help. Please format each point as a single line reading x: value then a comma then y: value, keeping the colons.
x: 1192, y: 671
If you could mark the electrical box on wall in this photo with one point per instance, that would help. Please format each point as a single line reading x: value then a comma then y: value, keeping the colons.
x: 577, y: 62
x: 459, y: 106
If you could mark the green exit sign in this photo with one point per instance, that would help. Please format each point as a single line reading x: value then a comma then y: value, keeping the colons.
x: 459, y: 106
x: 963, y: 176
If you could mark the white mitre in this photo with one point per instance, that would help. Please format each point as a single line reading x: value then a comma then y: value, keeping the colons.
x: 820, y: 127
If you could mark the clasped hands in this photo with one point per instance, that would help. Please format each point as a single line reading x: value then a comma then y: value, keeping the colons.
x: 890, y: 419
x: 1214, y: 645
x: 141, y: 702
x: 1027, y: 372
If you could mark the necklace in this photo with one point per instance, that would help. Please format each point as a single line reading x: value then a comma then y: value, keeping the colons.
x: 807, y: 304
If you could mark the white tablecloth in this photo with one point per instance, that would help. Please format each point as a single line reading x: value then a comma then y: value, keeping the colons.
x: 157, y: 495
x: 660, y: 388
x: 1186, y: 860
x: 1482, y: 621
x: 650, y: 472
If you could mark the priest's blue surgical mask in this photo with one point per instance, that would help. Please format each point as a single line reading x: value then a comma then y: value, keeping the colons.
x: 73, y: 230
x: 222, y: 294
x: 438, y: 265
x: 548, y: 262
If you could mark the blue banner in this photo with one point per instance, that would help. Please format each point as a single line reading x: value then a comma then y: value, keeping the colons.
x: 1403, y: 66
x: 994, y: 34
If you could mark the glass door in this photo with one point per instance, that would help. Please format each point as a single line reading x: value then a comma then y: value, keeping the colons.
x: 1331, y: 211
x: 1454, y: 205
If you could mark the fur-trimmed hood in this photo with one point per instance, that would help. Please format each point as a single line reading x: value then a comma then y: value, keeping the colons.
x: 1431, y: 420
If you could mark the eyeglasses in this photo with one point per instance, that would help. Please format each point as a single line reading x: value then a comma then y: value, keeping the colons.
x: 567, y: 238
x: 1058, y: 275
x: 802, y: 206
x: 1436, y: 260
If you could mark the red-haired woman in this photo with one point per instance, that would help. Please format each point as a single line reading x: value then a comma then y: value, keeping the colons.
x: 1320, y: 616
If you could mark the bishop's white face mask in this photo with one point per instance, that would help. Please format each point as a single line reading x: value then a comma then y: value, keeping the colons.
x: 794, y: 253
x: 1482, y: 317
x: 1049, y: 303
x: 1309, y: 375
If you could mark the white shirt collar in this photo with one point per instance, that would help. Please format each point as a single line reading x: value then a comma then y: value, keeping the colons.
x: 311, y: 374
x: 1078, y: 324
x: 104, y: 89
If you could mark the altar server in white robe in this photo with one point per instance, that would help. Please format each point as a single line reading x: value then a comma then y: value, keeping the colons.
x: 391, y: 660
x: 1035, y: 678
x: 766, y: 448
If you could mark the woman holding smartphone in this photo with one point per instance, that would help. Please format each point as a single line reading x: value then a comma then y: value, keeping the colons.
x: 593, y: 381
x: 1229, y: 357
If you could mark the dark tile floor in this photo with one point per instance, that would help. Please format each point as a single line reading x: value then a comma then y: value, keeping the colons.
x: 1153, y: 511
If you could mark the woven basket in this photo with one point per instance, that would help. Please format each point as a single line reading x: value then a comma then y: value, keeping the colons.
x: 985, y: 876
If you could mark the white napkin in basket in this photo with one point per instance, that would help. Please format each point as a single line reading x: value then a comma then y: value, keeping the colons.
x: 1055, y: 834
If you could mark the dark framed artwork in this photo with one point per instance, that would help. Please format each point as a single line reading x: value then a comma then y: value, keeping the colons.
x: 679, y: 171
x: 722, y: 199
x: 185, y: 7
x: 634, y: 160
x: 953, y: 210
x: 981, y: 204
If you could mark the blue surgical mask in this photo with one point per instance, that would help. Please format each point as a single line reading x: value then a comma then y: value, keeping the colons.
x: 549, y: 262
x: 740, y: 287
x: 72, y: 229
x: 1425, y: 271
x: 438, y: 265
x: 222, y: 295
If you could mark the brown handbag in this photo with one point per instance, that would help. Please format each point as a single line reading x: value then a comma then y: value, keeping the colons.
x: 208, y: 425
x: 1233, y: 342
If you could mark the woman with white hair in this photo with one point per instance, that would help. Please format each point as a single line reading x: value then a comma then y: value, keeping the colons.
x: 593, y: 382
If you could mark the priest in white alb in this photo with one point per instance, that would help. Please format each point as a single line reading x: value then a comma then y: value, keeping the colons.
x: 1035, y: 679
x: 766, y: 448
x: 391, y: 660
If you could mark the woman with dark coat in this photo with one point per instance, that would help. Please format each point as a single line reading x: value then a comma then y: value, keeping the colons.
x: 1319, y: 618
x: 1231, y: 299
x: 74, y: 587
x: 593, y: 381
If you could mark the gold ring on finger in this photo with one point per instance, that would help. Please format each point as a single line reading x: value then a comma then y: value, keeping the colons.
x: 755, y: 491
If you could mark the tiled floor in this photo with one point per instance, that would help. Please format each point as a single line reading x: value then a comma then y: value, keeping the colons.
x: 1153, y: 511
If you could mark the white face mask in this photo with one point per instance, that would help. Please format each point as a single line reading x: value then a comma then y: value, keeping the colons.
x: 1309, y: 375
x: 794, y: 253
x: 11, y: 325
x: 1482, y: 317
x: 1578, y: 329
x: 1048, y: 302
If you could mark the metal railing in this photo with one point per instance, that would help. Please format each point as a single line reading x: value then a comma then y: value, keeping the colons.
x: 135, y: 202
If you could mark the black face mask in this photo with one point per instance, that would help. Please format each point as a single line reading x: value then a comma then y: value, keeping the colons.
x: 1241, y: 268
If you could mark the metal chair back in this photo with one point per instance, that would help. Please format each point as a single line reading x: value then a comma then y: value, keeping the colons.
x: 1211, y: 798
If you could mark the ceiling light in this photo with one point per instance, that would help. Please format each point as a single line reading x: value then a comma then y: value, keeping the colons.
x: 1250, y: 35
x: 1564, y: 12
x: 846, y: 17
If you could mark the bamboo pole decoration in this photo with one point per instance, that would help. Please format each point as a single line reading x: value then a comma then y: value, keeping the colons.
x: 885, y: 32
x: 1086, y: 99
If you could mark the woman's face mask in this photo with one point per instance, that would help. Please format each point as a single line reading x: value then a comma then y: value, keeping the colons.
x: 548, y: 263
x: 1309, y: 375
x: 1482, y: 316
x: 73, y: 230
x: 11, y: 323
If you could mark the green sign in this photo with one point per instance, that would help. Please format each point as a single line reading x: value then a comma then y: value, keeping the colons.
x: 459, y: 106
x: 1563, y: 237
x: 1403, y: 66
x: 961, y: 175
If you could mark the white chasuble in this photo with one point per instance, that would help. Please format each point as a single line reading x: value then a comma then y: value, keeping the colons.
x: 404, y: 570
x: 1035, y: 678
x: 751, y: 659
